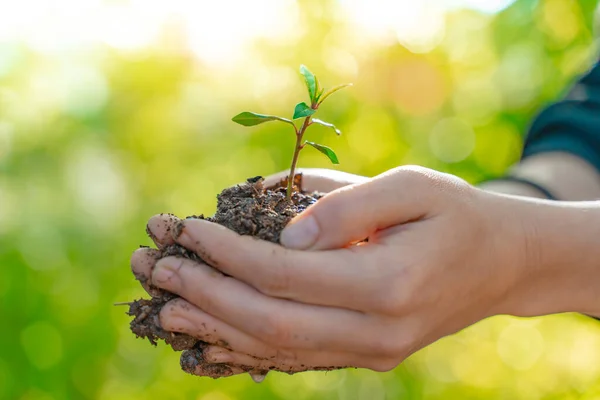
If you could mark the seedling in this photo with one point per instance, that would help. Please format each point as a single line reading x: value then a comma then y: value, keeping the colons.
x: 317, y: 96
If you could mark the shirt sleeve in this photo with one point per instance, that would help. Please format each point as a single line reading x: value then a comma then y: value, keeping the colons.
x: 571, y: 125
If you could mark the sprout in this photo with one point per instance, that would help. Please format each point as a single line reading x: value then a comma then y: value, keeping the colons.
x: 317, y: 96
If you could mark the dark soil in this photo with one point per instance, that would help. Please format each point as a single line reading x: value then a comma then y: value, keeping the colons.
x: 248, y: 209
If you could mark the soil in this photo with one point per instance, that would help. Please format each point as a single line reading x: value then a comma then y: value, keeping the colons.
x: 248, y: 209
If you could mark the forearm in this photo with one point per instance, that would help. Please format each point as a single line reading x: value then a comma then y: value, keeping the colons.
x: 562, y: 267
x: 566, y: 176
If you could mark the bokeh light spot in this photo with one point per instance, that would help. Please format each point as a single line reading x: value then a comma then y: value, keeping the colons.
x: 42, y: 344
x: 373, y: 131
x: 497, y: 147
x: 452, y: 140
x: 83, y: 90
x: 520, y: 75
x: 520, y: 345
x: 418, y: 87
x: 476, y: 100
x: 42, y: 247
x: 98, y: 186
x: 478, y: 365
x: 584, y: 358
x: 560, y: 20
x: 341, y: 61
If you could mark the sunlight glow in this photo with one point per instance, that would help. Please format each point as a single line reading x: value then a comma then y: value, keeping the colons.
x: 417, y: 25
x: 486, y: 6
x: 216, y: 32
x: 220, y: 32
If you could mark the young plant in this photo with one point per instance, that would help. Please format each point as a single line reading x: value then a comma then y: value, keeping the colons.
x: 317, y: 96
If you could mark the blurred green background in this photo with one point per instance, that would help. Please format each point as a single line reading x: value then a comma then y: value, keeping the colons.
x: 112, y: 111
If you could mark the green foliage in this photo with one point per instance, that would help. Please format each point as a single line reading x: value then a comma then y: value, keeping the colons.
x: 247, y: 118
x: 327, y: 124
x: 325, y: 150
x: 311, y: 83
x: 303, y: 110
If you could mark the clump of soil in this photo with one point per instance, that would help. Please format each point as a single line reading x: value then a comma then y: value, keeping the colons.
x: 248, y: 209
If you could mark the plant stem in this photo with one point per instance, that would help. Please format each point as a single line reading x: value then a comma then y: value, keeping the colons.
x: 299, y: 135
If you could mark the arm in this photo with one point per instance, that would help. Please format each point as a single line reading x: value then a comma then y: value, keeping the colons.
x: 567, y: 176
x: 562, y: 149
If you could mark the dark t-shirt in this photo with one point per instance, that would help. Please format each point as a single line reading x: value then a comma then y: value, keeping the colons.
x: 571, y: 125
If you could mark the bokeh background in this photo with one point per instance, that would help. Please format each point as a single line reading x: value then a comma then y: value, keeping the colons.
x: 112, y: 111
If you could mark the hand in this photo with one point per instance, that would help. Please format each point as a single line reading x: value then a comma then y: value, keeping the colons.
x: 319, y: 179
x: 441, y: 255
x: 159, y: 228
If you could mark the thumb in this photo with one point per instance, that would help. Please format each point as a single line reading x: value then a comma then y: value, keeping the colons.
x: 355, y: 212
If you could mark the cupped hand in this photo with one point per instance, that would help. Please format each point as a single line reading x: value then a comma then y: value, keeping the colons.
x: 319, y: 179
x: 440, y: 256
x: 160, y: 229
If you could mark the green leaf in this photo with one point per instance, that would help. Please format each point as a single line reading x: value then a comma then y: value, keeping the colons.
x: 302, y: 110
x: 332, y: 91
x: 311, y: 83
x: 327, y: 124
x: 250, y: 119
x: 325, y: 150
x: 319, y: 95
x: 319, y: 90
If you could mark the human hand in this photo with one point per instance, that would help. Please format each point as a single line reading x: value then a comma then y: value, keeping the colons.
x: 441, y: 255
x: 318, y: 179
x: 313, y: 180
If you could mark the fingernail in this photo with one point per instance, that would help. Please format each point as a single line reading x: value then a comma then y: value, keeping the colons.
x: 159, y: 229
x: 164, y: 276
x: 301, y: 234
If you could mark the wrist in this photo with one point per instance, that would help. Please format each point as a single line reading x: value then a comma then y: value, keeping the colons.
x: 516, y: 186
x: 560, y: 270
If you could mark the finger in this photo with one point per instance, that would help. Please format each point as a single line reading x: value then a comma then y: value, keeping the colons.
x: 232, y: 346
x: 306, y: 361
x: 354, y: 212
x: 219, y: 355
x: 142, y: 261
x: 160, y: 228
x: 178, y: 315
x: 192, y: 361
x: 277, y: 322
x: 318, y: 179
x: 322, y: 278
